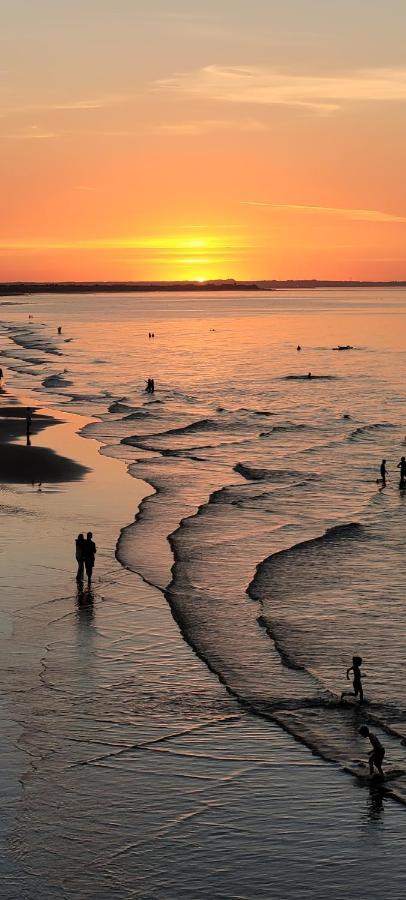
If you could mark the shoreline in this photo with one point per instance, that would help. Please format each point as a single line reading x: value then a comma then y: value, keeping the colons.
x: 130, y: 741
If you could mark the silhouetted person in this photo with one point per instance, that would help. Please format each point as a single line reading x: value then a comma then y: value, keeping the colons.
x: 309, y: 375
x: 89, y: 553
x: 28, y: 423
x: 357, y: 683
x: 152, y: 386
x: 80, y: 556
x: 298, y: 347
x: 59, y: 329
x: 1, y: 374
x: 402, y: 466
x: 377, y: 753
x: 383, y: 472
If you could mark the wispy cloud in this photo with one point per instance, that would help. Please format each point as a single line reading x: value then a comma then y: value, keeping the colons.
x: 357, y: 215
x: 166, y: 243
x: 33, y: 134
x: 205, y: 126
x: 268, y: 86
x: 105, y: 102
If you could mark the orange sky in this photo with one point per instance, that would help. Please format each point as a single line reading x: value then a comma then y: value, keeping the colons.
x: 243, y: 140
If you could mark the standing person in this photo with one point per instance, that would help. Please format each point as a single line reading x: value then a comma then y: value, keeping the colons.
x: 28, y: 422
x: 377, y: 753
x: 357, y: 683
x: 59, y: 329
x: 80, y: 557
x: 1, y: 374
x: 383, y: 472
x: 89, y: 553
x: 402, y: 466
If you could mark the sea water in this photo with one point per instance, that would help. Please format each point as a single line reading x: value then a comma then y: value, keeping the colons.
x: 280, y: 554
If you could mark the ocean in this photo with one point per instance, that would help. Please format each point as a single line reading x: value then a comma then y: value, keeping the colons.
x: 277, y: 551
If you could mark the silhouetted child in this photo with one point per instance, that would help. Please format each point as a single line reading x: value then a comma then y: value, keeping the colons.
x: 377, y: 753
x: 357, y: 683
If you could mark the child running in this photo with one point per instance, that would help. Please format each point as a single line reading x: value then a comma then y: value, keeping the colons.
x: 357, y: 683
x: 377, y: 753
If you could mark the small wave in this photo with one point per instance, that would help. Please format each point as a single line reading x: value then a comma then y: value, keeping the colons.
x: 310, y: 377
x: 282, y: 429
x: 255, y: 473
x: 56, y: 381
x: 137, y: 414
x: 200, y: 425
x: 120, y: 407
x: 345, y: 532
x: 365, y: 430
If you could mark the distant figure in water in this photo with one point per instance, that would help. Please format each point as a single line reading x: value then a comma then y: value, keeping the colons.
x: 383, y: 472
x: 80, y: 556
x: 1, y: 375
x: 150, y: 388
x: 402, y: 466
x: 357, y: 683
x: 309, y: 375
x: 298, y: 347
x: 377, y: 753
x: 89, y: 553
x: 59, y: 329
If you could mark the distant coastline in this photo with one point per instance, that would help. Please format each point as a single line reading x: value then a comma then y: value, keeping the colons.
x: 17, y: 288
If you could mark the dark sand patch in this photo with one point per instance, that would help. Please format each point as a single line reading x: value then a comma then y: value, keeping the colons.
x: 13, y: 422
x: 23, y: 465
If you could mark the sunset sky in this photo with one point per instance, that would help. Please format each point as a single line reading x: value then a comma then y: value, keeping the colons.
x: 159, y: 139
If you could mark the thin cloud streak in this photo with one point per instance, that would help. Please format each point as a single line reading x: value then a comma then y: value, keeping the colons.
x: 68, y: 105
x: 263, y: 85
x: 356, y: 215
x: 175, y: 245
x: 206, y: 126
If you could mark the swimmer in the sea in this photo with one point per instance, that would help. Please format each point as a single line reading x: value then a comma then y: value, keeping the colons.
x: 357, y: 682
x: 298, y: 347
x: 376, y: 755
x: 309, y: 375
x: 383, y: 472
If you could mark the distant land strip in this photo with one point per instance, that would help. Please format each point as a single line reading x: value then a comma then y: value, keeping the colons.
x: 18, y: 288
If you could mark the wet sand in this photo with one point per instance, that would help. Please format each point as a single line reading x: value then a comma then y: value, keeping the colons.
x: 128, y: 770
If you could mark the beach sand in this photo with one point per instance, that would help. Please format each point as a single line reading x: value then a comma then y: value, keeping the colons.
x: 127, y: 769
